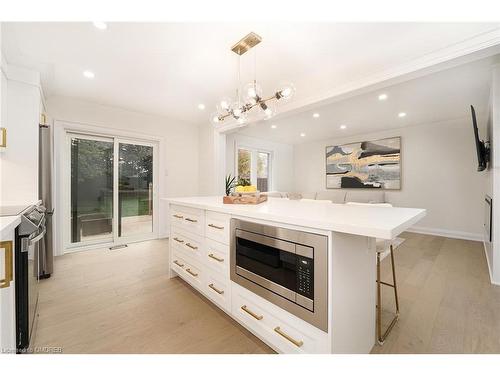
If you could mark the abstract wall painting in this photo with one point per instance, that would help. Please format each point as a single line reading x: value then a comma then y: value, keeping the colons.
x: 366, y: 165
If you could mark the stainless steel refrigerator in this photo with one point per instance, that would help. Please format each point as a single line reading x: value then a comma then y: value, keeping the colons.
x: 45, y: 194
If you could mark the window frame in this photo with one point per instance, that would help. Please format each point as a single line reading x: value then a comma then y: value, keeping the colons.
x: 253, y: 165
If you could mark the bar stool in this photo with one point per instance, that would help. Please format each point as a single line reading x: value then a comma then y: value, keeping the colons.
x: 381, y: 247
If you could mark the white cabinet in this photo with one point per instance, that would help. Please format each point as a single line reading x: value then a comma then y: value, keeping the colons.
x: 7, y: 294
x: 189, y: 244
x: 281, y: 330
x: 217, y: 226
x: 199, y: 254
x: 190, y: 219
x: 21, y: 107
x: 218, y: 290
x: 217, y: 257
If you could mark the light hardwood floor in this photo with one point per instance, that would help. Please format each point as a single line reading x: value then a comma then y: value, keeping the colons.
x: 447, y: 303
x: 121, y: 301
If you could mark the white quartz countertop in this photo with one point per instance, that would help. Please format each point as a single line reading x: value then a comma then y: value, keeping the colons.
x: 7, y: 224
x: 371, y: 221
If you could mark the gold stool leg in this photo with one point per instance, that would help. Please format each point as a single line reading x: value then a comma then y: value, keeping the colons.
x: 382, y: 337
x: 394, y: 281
x: 379, y: 302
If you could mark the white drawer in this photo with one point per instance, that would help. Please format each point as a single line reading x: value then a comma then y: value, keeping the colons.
x: 177, y: 263
x: 217, y: 257
x: 187, y: 270
x: 217, y: 226
x: 191, y: 219
x: 280, y: 329
x: 218, y: 290
x: 190, y: 245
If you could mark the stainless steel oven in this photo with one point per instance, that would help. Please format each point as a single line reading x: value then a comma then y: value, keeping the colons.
x: 287, y: 267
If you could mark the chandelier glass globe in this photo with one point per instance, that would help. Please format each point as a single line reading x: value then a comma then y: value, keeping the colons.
x: 268, y: 108
x: 215, y: 118
x: 286, y: 91
x: 224, y: 105
x: 252, y: 92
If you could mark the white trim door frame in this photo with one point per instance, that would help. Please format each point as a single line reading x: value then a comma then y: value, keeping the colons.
x: 62, y: 182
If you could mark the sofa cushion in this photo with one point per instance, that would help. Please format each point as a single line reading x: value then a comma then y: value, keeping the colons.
x: 308, y: 195
x: 336, y: 196
x: 294, y: 196
x: 365, y: 196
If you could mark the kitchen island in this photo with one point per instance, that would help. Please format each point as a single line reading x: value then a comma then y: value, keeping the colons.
x: 318, y: 312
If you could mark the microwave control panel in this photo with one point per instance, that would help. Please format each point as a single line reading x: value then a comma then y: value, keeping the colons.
x: 305, y: 277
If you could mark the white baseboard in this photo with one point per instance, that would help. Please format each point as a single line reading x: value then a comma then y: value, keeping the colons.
x: 447, y: 233
x: 489, y: 265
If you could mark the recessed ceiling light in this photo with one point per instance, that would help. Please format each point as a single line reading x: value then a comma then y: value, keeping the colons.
x: 100, y: 25
x: 201, y: 106
x: 302, y: 134
x: 343, y: 127
x: 402, y: 114
x: 315, y: 115
x: 88, y: 74
x: 273, y: 126
x: 382, y: 97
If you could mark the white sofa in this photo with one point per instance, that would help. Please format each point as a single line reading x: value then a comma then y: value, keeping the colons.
x: 334, y: 196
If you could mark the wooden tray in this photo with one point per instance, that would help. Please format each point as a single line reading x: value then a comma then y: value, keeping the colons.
x: 244, y: 199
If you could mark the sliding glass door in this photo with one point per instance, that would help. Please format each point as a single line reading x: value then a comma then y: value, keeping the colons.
x: 91, y: 195
x: 112, y: 190
x: 135, y: 189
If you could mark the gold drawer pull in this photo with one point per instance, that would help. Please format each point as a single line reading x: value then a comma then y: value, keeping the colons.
x: 191, y: 220
x: 251, y: 313
x: 179, y: 216
x: 3, y: 143
x: 216, y: 258
x: 191, y: 246
x: 8, y: 272
x: 215, y: 226
x: 178, y: 240
x: 179, y: 264
x: 188, y: 270
x: 297, y: 343
x: 214, y: 288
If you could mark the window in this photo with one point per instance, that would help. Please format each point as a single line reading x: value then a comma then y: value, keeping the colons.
x: 244, y: 164
x: 255, y: 167
x: 263, y: 171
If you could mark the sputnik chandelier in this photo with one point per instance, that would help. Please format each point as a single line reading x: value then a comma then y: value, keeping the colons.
x: 251, y: 98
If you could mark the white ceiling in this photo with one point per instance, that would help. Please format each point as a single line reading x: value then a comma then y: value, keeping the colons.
x: 169, y: 68
x: 433, y: 98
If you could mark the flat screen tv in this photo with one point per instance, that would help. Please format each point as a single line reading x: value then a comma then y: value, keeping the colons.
x: 482, y: 149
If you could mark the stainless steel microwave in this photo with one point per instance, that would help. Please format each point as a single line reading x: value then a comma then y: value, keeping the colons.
x: 286, y: 267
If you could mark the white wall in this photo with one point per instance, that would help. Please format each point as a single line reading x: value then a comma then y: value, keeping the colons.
x: 492, y: 183
x: 180, y: 154
x: 208, y: 172
x: 438, y: 173
x: 21, y: 107
x: 282, y: 172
